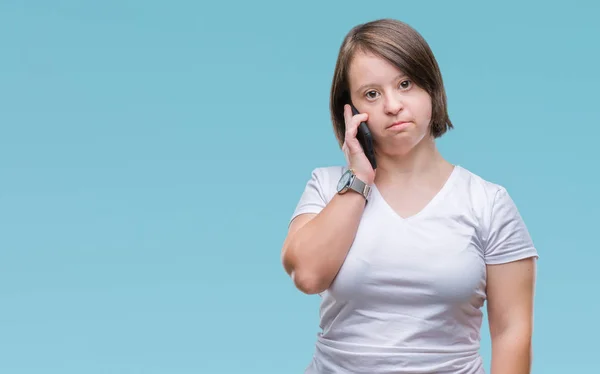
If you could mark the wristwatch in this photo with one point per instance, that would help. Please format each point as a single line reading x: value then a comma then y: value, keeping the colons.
x: 349, y: 181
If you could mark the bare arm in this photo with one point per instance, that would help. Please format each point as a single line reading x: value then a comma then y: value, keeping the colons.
x: 510, y: 312
x: 317, y: 245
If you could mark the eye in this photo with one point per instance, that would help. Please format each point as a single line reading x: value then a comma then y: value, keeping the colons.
x: 405, y: 85
x: 371, y: 94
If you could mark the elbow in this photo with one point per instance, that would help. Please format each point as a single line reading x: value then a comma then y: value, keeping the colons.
x: 307, y: 280
x: 309, y: 284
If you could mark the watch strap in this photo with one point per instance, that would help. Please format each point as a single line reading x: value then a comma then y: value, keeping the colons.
x: 360, y: 187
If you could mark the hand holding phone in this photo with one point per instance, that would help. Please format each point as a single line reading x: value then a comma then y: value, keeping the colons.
x: 358, y: 145
x: 364, y: 137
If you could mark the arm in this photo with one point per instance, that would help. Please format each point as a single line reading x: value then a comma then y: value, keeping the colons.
x: 316, y: 245
x: 510, y: 289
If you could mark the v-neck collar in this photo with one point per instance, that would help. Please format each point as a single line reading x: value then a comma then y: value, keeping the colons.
x: 446, y: 187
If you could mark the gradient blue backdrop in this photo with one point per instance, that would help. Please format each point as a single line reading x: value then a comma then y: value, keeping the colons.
x: 151, y: 154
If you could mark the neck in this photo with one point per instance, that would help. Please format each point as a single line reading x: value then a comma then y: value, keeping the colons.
x: 422, y: 161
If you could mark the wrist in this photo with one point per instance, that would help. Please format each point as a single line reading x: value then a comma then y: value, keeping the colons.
x: 366, y: 179
x: 350, y: 181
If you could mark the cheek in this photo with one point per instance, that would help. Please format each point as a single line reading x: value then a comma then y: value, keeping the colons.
x: 376, y: 122
x: 423, y: 110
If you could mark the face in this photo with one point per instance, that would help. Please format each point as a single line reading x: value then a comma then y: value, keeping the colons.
x: 399, y: 110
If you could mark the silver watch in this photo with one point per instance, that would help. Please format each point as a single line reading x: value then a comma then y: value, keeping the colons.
x: 349, y: 181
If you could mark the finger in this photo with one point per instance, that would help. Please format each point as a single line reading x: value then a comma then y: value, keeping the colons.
x: 362, y: 117
x: 346, y: 152
x: 347, y: 115
x: 352, y: 127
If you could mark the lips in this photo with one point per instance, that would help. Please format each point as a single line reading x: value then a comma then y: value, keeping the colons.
x: 398, y: 124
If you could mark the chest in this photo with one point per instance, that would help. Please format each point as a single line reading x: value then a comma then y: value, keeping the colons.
x: 434, y: 259
x: 410, y: 202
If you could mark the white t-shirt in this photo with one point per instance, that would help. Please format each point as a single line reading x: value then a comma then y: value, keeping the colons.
x: 407, y: 298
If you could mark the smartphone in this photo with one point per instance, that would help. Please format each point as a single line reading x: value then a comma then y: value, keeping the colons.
x: 365, y: 139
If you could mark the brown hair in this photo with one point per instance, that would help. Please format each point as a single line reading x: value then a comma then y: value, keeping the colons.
x: 403, y: 47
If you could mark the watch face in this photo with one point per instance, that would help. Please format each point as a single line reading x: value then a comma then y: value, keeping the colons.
x: 344, y: 180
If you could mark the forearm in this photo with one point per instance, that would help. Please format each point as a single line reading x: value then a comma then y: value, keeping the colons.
x: 511, y: 352
x: 315, y: 253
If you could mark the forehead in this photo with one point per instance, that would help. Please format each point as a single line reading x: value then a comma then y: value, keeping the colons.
x: 367, y: 68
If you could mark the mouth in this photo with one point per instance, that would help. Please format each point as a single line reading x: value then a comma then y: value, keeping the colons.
x: 400, y: 125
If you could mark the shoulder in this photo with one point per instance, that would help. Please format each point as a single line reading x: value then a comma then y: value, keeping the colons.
x: 325, y: 179
x: 320, y: 188
x: 504, y: 235
x: 328, y: 175
x: 479, y: 190
x: 478, y: 197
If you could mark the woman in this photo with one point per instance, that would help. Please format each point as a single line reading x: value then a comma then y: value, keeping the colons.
x: 405, y: 255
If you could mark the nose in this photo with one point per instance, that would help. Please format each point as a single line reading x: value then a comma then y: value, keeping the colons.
x: 393, y: 104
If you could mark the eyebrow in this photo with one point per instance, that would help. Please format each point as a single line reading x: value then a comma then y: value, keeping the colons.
x: 401, y: 75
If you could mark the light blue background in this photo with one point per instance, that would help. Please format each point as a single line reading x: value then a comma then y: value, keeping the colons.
x: 151, y: 154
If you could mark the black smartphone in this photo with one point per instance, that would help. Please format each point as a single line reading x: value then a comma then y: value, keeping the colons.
x: 365, y: 139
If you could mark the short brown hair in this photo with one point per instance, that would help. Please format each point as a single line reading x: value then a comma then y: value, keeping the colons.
x: 403, y: 47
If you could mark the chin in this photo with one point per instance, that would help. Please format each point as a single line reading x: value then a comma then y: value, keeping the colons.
x: 402, y: 144
x: 399, y: 150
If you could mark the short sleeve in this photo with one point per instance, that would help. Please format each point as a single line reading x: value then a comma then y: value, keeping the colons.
x: 314, y: 197
x: 508, y: 238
